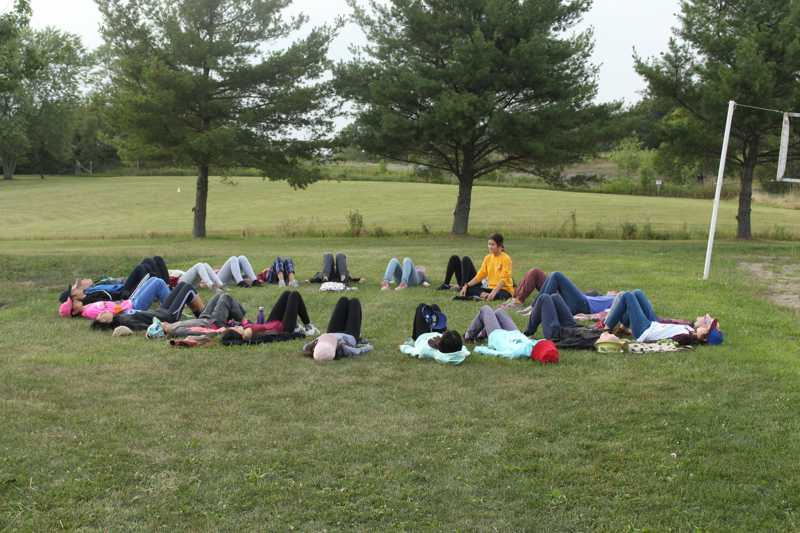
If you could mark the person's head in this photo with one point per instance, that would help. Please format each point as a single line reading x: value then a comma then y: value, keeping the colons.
x: 703, y: 326
x: 325, y: 350
x: 496, y: 244
x: 237, y: 336
x: 77, y: 307
x: 448, y: 342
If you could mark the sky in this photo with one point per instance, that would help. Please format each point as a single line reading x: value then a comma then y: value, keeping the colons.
x: 620, y: 25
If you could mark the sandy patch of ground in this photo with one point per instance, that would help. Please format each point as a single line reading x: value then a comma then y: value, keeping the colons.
x: 782, y: 280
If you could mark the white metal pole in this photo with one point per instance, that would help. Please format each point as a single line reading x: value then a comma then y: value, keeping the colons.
x: 718, y: 195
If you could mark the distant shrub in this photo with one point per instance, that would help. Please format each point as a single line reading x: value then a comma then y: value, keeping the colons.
x: 355, y: 223
x: 426, y: 230
x: 630, y: 231
x: 379, y: 232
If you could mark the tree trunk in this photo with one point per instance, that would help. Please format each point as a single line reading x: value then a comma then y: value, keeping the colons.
x: 200, y: 203
x: 744, y: 229
x: 9, y: 167
x: 463, y: 204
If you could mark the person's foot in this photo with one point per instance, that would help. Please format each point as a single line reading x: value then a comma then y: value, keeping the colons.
x: 401, y: 287
x: 281, y: 283
x: 325, y: 279
x: 343, y: 279
x: 257, y: 283
x: 525, y: 311
x: 385, y: 286
x: 443, y: 287
x: 294, y: 284
x: 311, y: 330
x: 243, y: 284
x: 425, y: 284
x: 511, y: 305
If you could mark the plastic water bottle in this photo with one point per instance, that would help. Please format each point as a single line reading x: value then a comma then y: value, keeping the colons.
x: 260, y: 319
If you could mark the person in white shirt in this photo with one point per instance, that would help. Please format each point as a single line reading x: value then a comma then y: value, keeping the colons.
x: 634, y: 310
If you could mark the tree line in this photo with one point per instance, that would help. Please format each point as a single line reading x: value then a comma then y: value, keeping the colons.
x: 468, y: 88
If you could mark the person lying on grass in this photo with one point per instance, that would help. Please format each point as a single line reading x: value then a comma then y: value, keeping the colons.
x: 343, y: 338
x: 283, y: 323
x: 497, y: 270
x: 558, y: 324
x: 405, y: 274
x: 446, y: 348
x: 334, y: 268
x: 136, y: 319
x: 633, y: 310
x: 281, y: 273
x: 142, y: 299
x: 88, y: 291
x: 579, y: 302
x: 533, y: 280
x: 220, y: 312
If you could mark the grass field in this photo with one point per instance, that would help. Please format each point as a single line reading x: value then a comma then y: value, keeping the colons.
x: 70, y: 208
x: 101, y: 433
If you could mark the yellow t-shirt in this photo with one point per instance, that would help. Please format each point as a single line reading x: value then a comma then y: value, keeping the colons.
x: 496, y: 268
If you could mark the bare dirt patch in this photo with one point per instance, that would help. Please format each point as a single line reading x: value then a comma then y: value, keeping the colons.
x: 782, y: 280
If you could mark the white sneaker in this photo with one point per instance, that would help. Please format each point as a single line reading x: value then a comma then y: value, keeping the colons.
x: 294, y: 284
x: 311, y: 330
x: 281, y: 283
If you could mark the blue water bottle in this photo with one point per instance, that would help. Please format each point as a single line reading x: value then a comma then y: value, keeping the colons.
x: 260, y: 319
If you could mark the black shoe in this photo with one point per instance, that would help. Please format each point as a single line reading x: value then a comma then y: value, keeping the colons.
x: 243, y: 284
x: 443, y: 287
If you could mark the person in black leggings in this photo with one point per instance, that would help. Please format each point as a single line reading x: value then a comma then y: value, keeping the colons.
x: 462, y: 268
x: 170, y: 311
x: 289, y: 307
x: 346, y: 318
x: 155, y: 267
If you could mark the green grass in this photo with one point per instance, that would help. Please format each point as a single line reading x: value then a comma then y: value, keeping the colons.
x: 85, y: 208
x: 113, y: 434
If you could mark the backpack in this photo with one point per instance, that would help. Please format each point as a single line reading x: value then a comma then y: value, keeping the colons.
x: 577, y: 338
x: 429, y: 319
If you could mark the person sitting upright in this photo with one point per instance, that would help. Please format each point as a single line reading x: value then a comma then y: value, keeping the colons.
x: 497, y: 269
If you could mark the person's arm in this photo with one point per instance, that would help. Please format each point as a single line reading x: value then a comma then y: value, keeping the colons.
x: 482, y: 273
x: 492, y: 295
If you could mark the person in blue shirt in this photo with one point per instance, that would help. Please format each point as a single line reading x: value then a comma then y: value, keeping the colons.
x: 576, y: 300
x: 503, y: 336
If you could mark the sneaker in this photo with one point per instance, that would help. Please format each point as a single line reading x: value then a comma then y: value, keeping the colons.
x: 526, y: 311
x: 511, y: 305
x: 385, y: 286
x: 401, y: 287
x: 243, y: 284
x: 311, y: 330
x: 155, y: 330
x: 281, y: 283
x: 425, y: 284
x: 443, y: 287
x: 257, y: 283
x: 294, y: 284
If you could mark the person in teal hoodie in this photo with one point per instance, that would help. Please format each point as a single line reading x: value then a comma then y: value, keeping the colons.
x: 504, y: 337
x: 446, y: 348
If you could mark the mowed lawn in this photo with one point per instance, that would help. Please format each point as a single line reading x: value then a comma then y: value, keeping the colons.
x: 130, y: 434
x: 68, y: 208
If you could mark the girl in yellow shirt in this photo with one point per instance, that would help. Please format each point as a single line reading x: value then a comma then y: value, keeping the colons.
x: 496, y: 269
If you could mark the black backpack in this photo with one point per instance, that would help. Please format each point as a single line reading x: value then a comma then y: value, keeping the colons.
x: 429, y: 319
x: 577, y: 338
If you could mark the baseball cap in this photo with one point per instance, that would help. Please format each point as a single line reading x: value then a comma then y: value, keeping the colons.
x: 715, y: 337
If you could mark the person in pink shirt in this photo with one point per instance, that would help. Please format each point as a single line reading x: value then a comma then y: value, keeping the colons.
x: 141, y: 300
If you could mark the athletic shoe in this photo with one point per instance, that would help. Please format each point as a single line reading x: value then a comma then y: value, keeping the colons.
x: 385, y: 286
x: 294, y: 284
x: 443, y: 287
x: 257, y: 283
x: 526, y: 311
x: 401, y: 287
x: 311, y: 330
x: 511, y: 305
x: 425, y: 284
x: 281, y: 283
x: 243, y: 284
x: 155, y: 330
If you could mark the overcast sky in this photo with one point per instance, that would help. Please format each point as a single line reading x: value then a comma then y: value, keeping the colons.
x: 620, y: 25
